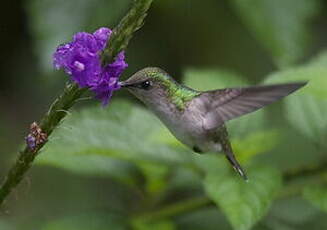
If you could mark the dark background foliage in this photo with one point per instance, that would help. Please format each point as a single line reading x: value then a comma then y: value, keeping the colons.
x: 113, y: 167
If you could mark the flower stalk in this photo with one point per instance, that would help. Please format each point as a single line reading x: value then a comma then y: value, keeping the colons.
x: 72, y: 92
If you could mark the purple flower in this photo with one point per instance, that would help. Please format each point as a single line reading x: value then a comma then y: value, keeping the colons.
x: 108, y: 82
x: 35, y: 137
x: 81, y: 60
x: 102, y: 35
x: 30, y: 141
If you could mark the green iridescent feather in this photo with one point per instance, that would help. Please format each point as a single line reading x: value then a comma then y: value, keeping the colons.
x: 178, y: 94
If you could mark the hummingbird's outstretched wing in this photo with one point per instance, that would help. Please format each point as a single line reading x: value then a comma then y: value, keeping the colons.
x: 226, y: 104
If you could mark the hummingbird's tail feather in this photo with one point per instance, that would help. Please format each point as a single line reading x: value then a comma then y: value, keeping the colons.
x: 227, y: 148
x: 231, y: 158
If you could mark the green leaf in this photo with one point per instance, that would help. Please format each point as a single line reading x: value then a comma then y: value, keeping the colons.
x: 207, y: 218
x: 280, y: 25
x: 155, y: 175
x: 243, y: 203
x: 307, y: 108
x: 254, y: 143
x: 53, y: 22
x: 210, y: 79
x: 5, y: 226
x: 91, y: 164
x: 320, y: 60
x: 317, y: 196
x: 184, y: 178
x: 292, y: 213
x: 157, y: 225
x: 98, y: 221
x: 307, y: 113
x: 97, y: 140
x: 247, y: 124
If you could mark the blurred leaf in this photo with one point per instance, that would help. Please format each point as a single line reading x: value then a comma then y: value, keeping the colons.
x: 317, y: 195
x: 163, y: 136
x: 157, y: 225
x: 281, y: 25
x: 205, y: 219
x: 243, y: 203
x: 242, y: 126
x: 96, y: 140
x: 5, y: 226
x: 307, y: 113
x: 91, y: 164
x: 210, y: 79
x: 291, y: 213
x: 94, y: 221
x: 254, y: 143
x: 306, y: 109
x: 320, y: 60
x: 53, y: 22
x: 185, y: 178
x: 155, y: 175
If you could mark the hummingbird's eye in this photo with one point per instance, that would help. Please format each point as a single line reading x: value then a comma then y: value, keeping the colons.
x: 146, y: 85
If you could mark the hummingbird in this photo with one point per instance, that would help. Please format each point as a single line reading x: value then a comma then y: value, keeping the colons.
x: 197, y: 118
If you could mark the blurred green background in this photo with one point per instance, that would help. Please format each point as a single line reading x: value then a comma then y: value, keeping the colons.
x: 118, y: 168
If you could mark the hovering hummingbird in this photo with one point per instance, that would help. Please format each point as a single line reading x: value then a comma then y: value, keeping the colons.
x: 197, y: 118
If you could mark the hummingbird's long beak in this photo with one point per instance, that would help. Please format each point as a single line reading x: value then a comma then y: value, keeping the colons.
x: 124, y: 84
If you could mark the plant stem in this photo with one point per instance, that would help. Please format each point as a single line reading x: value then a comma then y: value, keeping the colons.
x: 123, y: 32
x: 306, y: 171
x: 58, y: 110
x: 51, y: 120
x: 174, y: 209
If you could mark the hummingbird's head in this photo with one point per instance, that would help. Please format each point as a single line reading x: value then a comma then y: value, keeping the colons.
x: 150, y: 84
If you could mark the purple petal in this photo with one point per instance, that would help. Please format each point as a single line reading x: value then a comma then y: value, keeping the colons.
x: 102, y: 35
x: 116, y: 68
x: 30, y: 141
x: 87, y: 41
x: 60, y: 56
